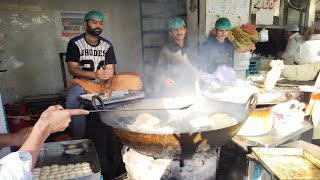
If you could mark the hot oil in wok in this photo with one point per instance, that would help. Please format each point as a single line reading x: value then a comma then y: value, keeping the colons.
x: 177, y: 121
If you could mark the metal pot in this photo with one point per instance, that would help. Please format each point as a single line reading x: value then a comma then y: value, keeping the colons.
x: 185, y: 141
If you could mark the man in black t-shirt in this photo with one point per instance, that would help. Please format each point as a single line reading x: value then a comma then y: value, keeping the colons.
x: 92, y: 58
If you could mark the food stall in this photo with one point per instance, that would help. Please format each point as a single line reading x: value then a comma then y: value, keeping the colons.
x: 178, y: 138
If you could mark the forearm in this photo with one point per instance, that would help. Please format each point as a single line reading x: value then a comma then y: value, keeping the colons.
x: 108, y: 83
x: 33, y: 144
x: 82, y: 73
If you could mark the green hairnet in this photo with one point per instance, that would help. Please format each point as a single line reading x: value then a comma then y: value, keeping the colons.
x: 176, y: 22
x: 93, y: 14
x: 223, y: 24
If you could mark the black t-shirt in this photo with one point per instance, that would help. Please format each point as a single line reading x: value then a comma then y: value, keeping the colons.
x: 90, y: 58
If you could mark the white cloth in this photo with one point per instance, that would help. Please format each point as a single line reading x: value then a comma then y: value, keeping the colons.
x: 222, y: 74
x: 291, y: 54
x: 16, y: 165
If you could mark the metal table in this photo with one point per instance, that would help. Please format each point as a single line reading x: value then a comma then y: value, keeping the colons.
x: 233, y: 160
x: 112, y: 101
x: 273, y: 138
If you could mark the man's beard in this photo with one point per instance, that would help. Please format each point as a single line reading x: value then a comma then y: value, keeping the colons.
x: 93, y: 32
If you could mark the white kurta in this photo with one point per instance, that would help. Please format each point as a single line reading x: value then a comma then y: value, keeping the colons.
x: 16, y: 165
x: 291, y: 54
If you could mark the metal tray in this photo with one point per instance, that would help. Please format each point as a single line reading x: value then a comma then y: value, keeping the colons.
x: 285, y: 83
x: 288, y: 163
x: 53, y: 153
x: 116, y: 97
x: 284, y: 96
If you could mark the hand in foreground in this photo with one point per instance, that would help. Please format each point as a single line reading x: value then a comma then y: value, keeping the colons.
x: 276, y: 63
x: 107, y: 92
x: 57, y: 119
x: 104, y: 74
x: 168, y: 82
x: 52, y: 120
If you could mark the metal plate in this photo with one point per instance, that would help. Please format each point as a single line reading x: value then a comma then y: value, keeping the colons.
x: 288, y: 163
x: 281, y: 95
x: 53, y: 153
x: 285, y: 97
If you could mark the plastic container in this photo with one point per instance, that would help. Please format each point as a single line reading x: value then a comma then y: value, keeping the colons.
x: 254, y: 67
x: 271, y: 78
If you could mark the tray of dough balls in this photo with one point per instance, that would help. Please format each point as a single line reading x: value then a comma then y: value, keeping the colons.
x: 76, y: 159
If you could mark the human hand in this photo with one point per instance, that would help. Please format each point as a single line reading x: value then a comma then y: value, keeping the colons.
x: 168, y: 82
x: 276, y: 63
x: 107, y: 92
x: 57, y: 119
x: 104, y: 74
x: 21, y: 136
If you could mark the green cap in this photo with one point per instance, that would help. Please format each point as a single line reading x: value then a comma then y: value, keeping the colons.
x: 176, y: 22
x: 223, y: 24
x: 93, y: 14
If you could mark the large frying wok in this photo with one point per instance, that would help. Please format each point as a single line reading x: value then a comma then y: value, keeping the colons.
x: 186, y: 141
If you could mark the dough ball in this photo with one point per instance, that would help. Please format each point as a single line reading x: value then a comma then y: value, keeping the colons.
x: 79, y: 173
x: 72, y: 173
x: 54, y: 166
x: 43, y: 177
x: 86, y: 171
x: 72, y: 176
x: 50, y: 176
x: 36, y: 173
x: 70, y: 166
x: 54, y: 169
x: 57, y: 175
x: 36, y: 170
x: 45, y: 167
x: 45, y: 172
x: 63, y: 167
x: 69, y: 170
x: 65, y: 174
x: 55, y: 172
x: 85, y: 164
x: 144, y: 121
x: 77, y: 165
x: 77, y: 169
x: 61, y: 171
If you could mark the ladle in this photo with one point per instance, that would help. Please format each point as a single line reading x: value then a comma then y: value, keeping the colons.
x: 101, y: 109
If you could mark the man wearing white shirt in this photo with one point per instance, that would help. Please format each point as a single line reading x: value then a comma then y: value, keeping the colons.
x: 290, y: 55
x: 18, y: 165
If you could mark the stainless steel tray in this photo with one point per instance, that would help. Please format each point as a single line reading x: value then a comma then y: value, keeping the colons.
x: 288, y: 163
x: 116, y: 98
x: 53, y: 153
